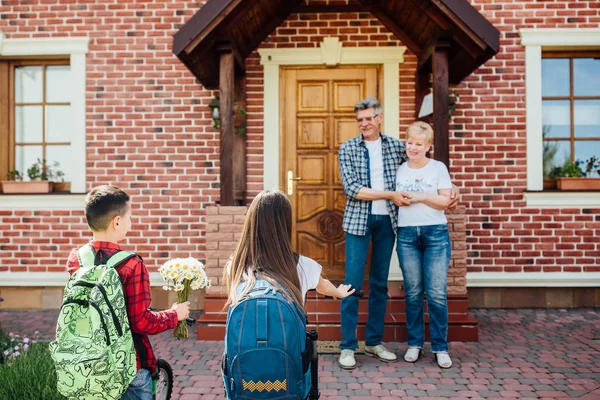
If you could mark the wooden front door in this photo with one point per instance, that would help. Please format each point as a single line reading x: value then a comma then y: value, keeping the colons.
x: 317, y: 110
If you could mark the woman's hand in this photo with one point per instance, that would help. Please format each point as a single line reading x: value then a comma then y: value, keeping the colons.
x: 454, y: 198
x: 344, y: 291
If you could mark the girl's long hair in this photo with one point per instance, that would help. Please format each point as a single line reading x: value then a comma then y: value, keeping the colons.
x: 265, y: 249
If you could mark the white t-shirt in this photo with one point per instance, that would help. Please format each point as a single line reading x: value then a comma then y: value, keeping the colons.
x: 428, y: 179
x: 309, y: 273
x: 378, y: 207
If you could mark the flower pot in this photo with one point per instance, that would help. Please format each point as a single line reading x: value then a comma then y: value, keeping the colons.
x: 27, y: 187
x: 578, y: 183
x: 549, y: 183
x: 62, y: 187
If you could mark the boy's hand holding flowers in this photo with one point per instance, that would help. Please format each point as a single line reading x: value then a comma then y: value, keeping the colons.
x: 183, y: 275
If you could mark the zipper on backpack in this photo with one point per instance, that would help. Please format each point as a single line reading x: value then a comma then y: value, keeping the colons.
x: 112, y: 310
x: 102, y: 322
x: 83, y: 303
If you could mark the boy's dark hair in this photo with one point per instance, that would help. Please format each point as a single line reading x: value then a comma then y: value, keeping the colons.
x: 104, y: 203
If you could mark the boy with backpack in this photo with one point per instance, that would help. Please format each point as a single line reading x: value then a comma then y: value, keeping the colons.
x: 102, y: 348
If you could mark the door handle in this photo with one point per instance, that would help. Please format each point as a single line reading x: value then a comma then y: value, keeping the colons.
x: 290, y: 182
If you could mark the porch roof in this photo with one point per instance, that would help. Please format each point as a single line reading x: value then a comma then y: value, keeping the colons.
x: 242, y: 25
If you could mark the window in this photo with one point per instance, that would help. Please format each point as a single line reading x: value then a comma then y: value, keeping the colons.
x: 565, y: 130
x: 42, y: 112
x: 570, y: 109
x: 39, y: 110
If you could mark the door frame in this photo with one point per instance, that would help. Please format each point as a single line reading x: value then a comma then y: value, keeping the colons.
x: 330, y: 53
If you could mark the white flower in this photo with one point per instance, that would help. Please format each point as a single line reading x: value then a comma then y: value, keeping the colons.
x: 166, y: 287
x: 25, y: 346
x: 26, y: 340
x: 5, y: 352
x: 179, y: 287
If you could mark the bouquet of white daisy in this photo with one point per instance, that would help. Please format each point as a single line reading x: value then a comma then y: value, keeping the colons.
x: 183, y: 275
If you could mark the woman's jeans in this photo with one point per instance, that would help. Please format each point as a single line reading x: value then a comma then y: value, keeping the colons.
x: 424, y: 255
x: 381, y: 233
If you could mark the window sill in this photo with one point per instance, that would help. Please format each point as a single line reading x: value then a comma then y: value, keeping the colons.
x: 35, y: 202
x: 558, y: 198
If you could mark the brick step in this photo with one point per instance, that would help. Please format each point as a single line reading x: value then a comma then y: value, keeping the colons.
x: 324, y: 305
x: 458, y: 331
x: 324, y: 315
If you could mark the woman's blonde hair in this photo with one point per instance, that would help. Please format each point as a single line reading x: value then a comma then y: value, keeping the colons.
x: 421, y: 128
x: 265, y: 249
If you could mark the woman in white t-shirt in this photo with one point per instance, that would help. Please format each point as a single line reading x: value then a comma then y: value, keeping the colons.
x: 265, y: 249
x: 423, y: 244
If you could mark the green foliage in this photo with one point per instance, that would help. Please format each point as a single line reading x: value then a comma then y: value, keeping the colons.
x: 577, y: 169
x: 39, y: 170
x: 14, y: 175
x: 28, y: 374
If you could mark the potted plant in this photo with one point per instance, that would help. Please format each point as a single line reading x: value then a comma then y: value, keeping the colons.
x: 40, y: 176
x: 58, y: 177
x: 580, y: 175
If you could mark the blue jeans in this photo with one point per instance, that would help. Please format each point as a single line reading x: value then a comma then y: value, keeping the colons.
x: 424, y: 254
x: 140, y: 387
x: 381, y: 233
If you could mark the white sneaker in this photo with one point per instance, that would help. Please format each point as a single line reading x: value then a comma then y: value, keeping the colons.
x: 347, y: 360
x: 381, y: 353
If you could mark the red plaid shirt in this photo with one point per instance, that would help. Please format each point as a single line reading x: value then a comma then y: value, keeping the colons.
x: 136, y: 289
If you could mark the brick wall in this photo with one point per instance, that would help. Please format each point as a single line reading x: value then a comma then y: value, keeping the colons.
x: 149, y: 131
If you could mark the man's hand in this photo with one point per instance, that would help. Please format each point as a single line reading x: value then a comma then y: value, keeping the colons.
x: 344, y: 291
x: 454, y: 198
x: 401, y: 198
x: 183, y: 310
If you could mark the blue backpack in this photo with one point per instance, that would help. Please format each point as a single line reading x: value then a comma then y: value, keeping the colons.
x: 267, y: 352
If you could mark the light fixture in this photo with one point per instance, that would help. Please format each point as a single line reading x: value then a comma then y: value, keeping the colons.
x: 426, y: 106
x: 214, y: 112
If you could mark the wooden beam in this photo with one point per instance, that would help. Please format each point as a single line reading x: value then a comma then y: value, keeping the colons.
x: 398, y: 32
x: 226, y: 85
x: 444, y: 39
x: 441, y: 120
x: 239, y: 144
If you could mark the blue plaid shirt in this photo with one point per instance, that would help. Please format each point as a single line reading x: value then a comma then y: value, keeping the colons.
x: 355, y: 174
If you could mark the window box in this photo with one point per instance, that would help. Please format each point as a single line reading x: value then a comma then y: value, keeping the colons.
x: 27, y: 187
x: 550, y: 183
x: 62, y: 187
x: 578, y: 183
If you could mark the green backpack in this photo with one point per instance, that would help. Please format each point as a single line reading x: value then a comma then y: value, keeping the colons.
x: 93, y: 352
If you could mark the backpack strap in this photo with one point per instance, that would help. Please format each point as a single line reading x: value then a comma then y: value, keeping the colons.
x: 88, y: 256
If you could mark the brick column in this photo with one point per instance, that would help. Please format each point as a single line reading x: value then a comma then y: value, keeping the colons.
x: 457, y: 274
x: 223, y: 230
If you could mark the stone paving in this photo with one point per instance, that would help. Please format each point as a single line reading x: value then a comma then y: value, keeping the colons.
x: 540, y: 354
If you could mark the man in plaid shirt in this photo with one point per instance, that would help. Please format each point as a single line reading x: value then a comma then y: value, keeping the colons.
x: 368, y: 165
x: 108, y: 213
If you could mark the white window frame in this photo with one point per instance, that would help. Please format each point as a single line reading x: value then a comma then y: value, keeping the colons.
x: 76, y: 49
x: 535, y: 40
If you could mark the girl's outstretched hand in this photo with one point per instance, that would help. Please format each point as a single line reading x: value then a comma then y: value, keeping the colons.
x: 344, y: 291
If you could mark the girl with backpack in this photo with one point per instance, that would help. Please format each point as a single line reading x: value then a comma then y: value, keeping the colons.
x: 267, y: 350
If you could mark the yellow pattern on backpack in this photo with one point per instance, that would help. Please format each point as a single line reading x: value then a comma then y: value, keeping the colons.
x: 267, y: 386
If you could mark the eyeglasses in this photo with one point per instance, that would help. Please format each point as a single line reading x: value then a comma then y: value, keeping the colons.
x: 367, y: 119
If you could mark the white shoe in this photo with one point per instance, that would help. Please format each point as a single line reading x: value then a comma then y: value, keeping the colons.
x: 443, y: 360
x: 347, y: 360
x: 413, y: 354
x: 381, y: 353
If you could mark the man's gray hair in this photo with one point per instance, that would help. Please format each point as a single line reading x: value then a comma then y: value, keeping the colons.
x: 369, y: 102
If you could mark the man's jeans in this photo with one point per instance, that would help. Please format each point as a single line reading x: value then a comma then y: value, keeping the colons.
x: 382, y: 234
x: 424, y: 255
x: 140, y: 387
